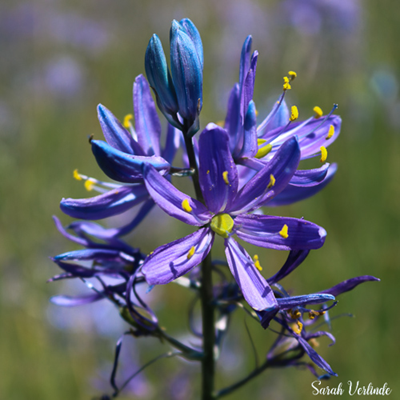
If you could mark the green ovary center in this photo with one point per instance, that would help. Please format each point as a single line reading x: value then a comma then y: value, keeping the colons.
x: 222, y: 224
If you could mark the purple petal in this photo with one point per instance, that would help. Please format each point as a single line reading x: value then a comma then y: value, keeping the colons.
x: 282, y: 167
x: 292, y: 194
x: 217, y: 172
x: 147, y: 124
x: 124, y: 167
x: 263, y: 231
x: 254, y: 287
x: 175, y: 259
x: 349, y: 284
x: 247, y: 88
x: 245, y: 60
x: 65, y: 233
x: 67, y: 301
x: 115, y: 134
x: 232, y: 119
x: 286, y: 303
x: 250, y: 146
x: 105, y: 205
x: 309, y: 177
x: 295, y: 258
x: 95, y: 255
x: 171, y: 199
x: 315, y: 357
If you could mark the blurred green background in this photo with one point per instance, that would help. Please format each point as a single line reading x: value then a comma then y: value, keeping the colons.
x: 59, y: 59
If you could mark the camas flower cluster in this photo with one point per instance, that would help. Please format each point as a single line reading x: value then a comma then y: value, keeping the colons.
x: 237, y: 169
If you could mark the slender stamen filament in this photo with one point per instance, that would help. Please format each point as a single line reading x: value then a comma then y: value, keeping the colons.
x: 91, y: 183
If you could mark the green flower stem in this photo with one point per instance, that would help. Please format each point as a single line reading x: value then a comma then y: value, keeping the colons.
x: 206, y: 296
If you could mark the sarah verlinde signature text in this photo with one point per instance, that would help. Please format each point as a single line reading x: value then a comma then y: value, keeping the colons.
x: 353, y: 389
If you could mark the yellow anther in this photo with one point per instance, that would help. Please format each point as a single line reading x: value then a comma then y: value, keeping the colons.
x: 89, y: 184
x: 324, y: 154
x: 298, y: 327
x: 257, y: 262
x: 257, y: 113
x: 272, y: 181
x: 318, y: 112
x: 77, y: 176
x: 294, y: 314
x: 286, y: 84
x: 222, y: 224
x: 225, y: 177
x: 292, y: 74
x: 294, y: 113
x: 257, y: 265
x: 262, y: 150
x: 313, y: 343
x: 186, y: 205
x: 208, y: 171
x: 284, y: 232
x: 127, y: 121
x: 331, y: 132
x: 220, y: 123
x: 190, y: 252
x: 312, y: 313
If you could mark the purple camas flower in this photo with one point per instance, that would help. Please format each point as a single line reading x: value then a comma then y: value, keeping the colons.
x: 227, y: 211
x: 236, y: 170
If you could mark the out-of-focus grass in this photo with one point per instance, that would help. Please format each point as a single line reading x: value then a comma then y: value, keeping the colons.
x: 46, y: 138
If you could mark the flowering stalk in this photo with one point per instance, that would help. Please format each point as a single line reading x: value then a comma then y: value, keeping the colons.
x: 206, y: 296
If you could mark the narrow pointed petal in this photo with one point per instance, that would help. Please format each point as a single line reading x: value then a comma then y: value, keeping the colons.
x: 115, y: 134
x: 292, y: 193
x: 172, y: 143
x: 65, y: 233
x: 250, y: 146
x: 286, y: 303
x: 217, y: 172
x: 170, y: 199
x: 147, y: 124
x: 105, y: 205
x: 349, y: 284
x: 309, y: 177
x: 175, y: 259
x: 314, y: 356
x: 247, y: 89
x: 194, y: 34
x: 95, y: 255
x: 67, y: 301
x: 295, y: 258
x: 264, y: 231
x: 245, y: 60
x: 232, y: 120
x: 159, y: 77
x: 124, y: 167
x: 187, y: 74
x: 281, y: 167
x: 254, y: 287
